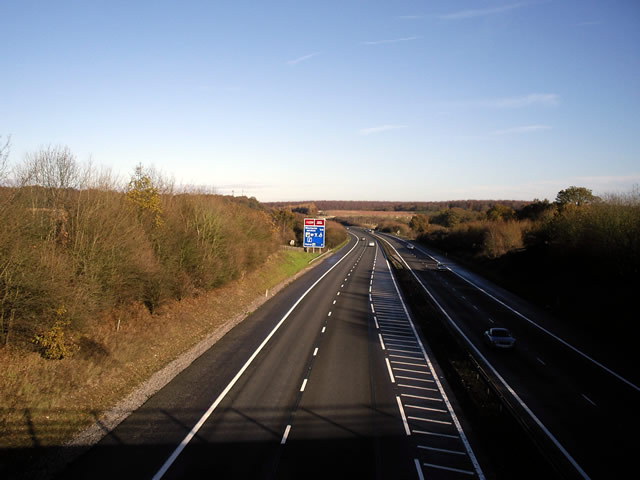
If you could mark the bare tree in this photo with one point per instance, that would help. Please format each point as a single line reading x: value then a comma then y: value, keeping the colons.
x: 5, y: 148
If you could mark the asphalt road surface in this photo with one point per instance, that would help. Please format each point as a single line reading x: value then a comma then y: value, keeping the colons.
x: 579, y: 402
x: 328, y: 379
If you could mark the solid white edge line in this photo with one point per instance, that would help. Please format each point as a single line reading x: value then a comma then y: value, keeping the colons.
x: 404, y: 417
x: 167, y: 464
x: 463, y: 437
x: 498, y: 376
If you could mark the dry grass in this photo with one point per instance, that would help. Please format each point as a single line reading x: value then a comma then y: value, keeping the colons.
x: 369, y: 213
x: 44, y: 403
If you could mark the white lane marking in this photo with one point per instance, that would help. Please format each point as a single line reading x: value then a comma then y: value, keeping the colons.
x: 406, y: 356
x: 422, y: 432
x: 393, y: 380
x: 369, y: 289
x: 416, y: 379
x: 430, y: 420
x: 338, y: 294
x: 442, y: 467
x: 475, y: 307
x: 419, y: 469
x: 372, y: 309
x: 172, y: 458
x: 589, y: 400
x: 304, y: 384
x: 420, y: 398
x: 443, y: 450
x: 463, y: 297
x: 381, y: 342
x: 329, y: 314
x: 491, y: 320
x: 375, y: 319
x: 412, y: 364
x: 540, y: 360
x: 342, y: 286
x: 408, y: 370
x: 454, y: 417
x: 345, y: 279
x: 370, y: 299
x: 417, y: 387
x: 439, y: 410
x: 284, y: 437
x: 315, y: 352
x: 555, y: 441
x: 334, y: 302
x: 404, y: 418
x: 323, y: 329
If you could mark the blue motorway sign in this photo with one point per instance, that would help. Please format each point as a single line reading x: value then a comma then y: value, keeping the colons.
x: 314, y: 232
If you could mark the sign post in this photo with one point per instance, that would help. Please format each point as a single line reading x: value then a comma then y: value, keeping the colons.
x: 314, y: 232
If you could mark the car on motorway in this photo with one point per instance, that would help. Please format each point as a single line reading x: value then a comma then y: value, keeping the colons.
x: 499, y: 338
x: 441, y: 266
x: 371, y: 244
x: 363, y: 239
x: 409, y: 246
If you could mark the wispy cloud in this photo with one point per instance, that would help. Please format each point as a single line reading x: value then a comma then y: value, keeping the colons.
x: 395, y: 40
x: 302, y: 59
x: 523, y: 129
x: 481, y: 12
x: 381, y: 128
x: 532, y: 99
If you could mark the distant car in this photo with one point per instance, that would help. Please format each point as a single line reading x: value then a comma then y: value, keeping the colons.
x: 441, y: 266
x: 363, y: 239
x: 499, y: 338
x: 409, y: 246
x: 371, y: 244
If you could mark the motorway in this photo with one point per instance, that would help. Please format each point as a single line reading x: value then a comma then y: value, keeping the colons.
x: 328, y: 379
x: 584, y: 409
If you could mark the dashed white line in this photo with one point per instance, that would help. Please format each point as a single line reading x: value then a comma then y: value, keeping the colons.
x: 286, y: 434
x: 381, y: 342
x: 430, y: 420
x: 334, y: 302
x: 329, y: 314
x: 323, y: 329
x: 428, y: 409
x: 419, y: 469
x: 393, y: 380
x: 376, y: 322
x: 315, y: 352
x: 304, y: 384
x: 589, y: 400
x: 540, y: 360
x: 404, y: 417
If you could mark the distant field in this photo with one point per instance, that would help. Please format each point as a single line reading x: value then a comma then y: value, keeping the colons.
x: 368, y: 213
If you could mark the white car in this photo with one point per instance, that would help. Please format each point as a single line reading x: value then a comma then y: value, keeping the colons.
x: 409, y: 246
x: 499, y: 338
x: 441, y: 266
x: 371, y: 244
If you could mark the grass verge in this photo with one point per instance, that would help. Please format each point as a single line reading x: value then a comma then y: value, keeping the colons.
x: 45, y: 403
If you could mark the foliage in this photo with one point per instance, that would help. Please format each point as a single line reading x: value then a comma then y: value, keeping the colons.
x: 575, y: 197
x: 144, y: 195
x: 500, y: 212
x: 54, y: 344
x: 419, y: 223
x: 85, y: 247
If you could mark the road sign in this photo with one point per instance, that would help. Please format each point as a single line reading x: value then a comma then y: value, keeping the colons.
x: 314, y: 232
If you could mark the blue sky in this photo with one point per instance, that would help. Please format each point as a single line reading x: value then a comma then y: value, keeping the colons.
x: 362, y: 100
